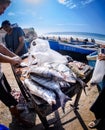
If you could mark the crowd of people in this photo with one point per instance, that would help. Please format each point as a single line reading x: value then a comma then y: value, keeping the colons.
x: 10, y: 53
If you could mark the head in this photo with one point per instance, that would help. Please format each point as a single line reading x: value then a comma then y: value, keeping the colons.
x: 6, y: 25
x: 3, y: 5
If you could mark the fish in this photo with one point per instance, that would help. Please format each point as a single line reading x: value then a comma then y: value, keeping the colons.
x: 46, y: 73
x: 48, y: 95
x: 56, y: 72
x: 70, y: 77
x: 52, y: 85
x: 79, y: 68
x: 76, y: 70
x: 66, y: 72
x: 64, y: 84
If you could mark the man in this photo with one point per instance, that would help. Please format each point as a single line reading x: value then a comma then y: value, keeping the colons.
x: 6, y: 56
x: 98, y: 107
x: 14, y: 39
x: 3, y: 5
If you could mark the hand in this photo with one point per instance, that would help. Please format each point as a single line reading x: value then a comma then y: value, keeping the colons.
x: 101, y: 56
x: 16, y: 60
x: 102, y: 46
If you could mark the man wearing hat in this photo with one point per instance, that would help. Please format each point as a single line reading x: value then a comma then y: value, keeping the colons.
x: 14, y: 38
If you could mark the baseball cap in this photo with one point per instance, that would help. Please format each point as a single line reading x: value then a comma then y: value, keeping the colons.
x: 5, y: 23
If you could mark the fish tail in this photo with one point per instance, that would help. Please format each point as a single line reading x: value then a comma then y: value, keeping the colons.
x: 63, y: 99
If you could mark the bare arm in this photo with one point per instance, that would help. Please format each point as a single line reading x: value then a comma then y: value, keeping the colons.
x: 6, y: 51
x: 101, y: 56
x: 21, y: 44
x: 7, y: 56
x: 102, y: 46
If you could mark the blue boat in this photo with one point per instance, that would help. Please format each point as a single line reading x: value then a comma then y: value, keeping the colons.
x: 77, y: 50
x: 54, y: 45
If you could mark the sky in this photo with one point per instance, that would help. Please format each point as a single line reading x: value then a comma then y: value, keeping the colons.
x: 58, y: 15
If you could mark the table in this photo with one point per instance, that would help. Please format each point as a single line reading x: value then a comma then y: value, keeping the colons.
x: 40, y: 106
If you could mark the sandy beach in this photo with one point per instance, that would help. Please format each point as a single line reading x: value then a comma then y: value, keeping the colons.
x: 71, y: 121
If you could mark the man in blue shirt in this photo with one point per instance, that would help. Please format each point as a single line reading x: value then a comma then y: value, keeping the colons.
x: 14, y: 38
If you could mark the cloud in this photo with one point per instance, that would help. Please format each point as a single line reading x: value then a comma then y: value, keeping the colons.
x: 62, y: 1
x: 34, y: 1
x: 71, y: 24
x: 86, y: 2
x: 11, y: 13
x: 75, y: 3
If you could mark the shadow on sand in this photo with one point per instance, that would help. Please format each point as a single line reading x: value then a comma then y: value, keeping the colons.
x: 54, y: 123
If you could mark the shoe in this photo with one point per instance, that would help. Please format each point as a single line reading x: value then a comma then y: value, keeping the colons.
x: 94, y: 124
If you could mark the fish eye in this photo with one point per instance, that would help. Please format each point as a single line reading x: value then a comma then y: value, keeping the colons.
x: 34, y: 43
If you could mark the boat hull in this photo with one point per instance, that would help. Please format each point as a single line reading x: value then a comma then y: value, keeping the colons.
x: 77, y: 52
x: 75, y: 48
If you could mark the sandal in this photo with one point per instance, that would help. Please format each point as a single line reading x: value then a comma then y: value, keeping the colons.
x: 94, y: 124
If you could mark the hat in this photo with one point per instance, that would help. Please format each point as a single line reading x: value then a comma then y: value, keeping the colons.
x: 4, y: 23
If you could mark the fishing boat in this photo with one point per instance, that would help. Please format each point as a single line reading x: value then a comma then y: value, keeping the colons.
x: 54, y: 45
x: 77, y: 50
x: 91, y: 58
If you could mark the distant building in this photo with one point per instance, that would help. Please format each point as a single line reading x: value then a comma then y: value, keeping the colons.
x: 29, y: 32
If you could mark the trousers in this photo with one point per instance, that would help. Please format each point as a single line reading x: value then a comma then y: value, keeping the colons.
x: 98, y: 107
x: 5, y: 95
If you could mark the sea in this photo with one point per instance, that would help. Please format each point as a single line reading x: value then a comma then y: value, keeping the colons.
x: 96, y: 36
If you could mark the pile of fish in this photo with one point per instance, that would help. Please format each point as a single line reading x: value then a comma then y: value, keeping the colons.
x: 47, y: 80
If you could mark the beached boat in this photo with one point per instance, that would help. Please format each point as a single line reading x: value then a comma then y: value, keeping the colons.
x: 91, y: 58
x: 77, y: 50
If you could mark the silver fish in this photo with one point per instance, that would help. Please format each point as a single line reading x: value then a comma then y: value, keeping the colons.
x: 52, y: 85
x: 71, y: 76
x: 66, y: 72
x: 47, y: 73
x: 48, y: 95
x: 62, y: 83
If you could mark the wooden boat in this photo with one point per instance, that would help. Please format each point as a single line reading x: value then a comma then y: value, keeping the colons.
x: 91, y: 58
x: 77, y: 50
